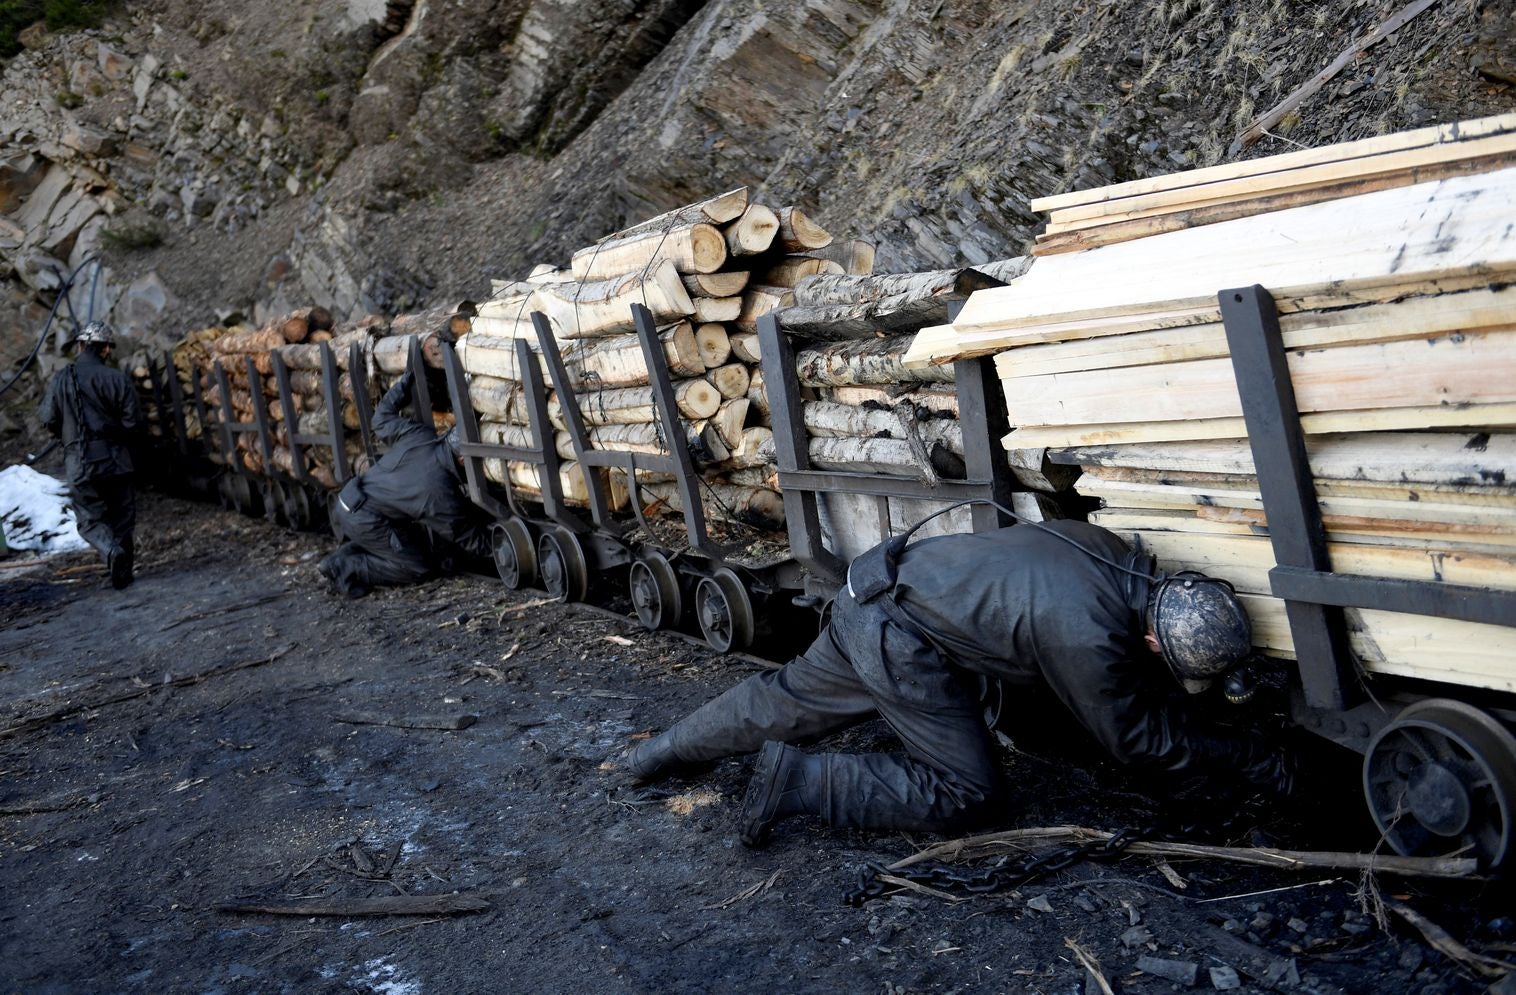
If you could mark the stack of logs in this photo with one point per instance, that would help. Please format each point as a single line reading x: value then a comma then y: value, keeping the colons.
x: 1397, y: 313
x: 297, y: 338
x: 706, y: 272
x: 864, y: 410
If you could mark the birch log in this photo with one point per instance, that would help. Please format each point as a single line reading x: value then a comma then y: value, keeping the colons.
x: 495, y: 433
x: 697, y: 248
x: 755, y: 506
x: 492, y: 356
x: 730, y: 420
x: 716, y: 210
x: 929, y: 400
x: 695, y: 399
x: 759, y: 300
x: 870, y: 361
x: 728, y: 284
x: 732, y: 380
x: 826, y: 419
x: 498, y: 400
x: 585, y: 310
x: 714, y: 343
x: 880, y: 456
x: 856, y: 257
x: 798, y: 233
x: 753, y: 232
x: 745, y: 347
x: 526, y: 479
x: 792, y: 269
x: 617, y: 361
x: 843, y: 307
x: 716, y: 308
x: 757, y: 395
x: 448, y: 320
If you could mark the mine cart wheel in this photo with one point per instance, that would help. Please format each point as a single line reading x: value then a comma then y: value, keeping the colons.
x: 725, y: 611
x: 515, y: 554
x: 333, y: 518
x: 655, y: 591
x: 1441, y: 779
x: 245, y: 497
x: 302, y: 513
x: 561, y: 563
x: 225, y: 492
x: 275, y: 503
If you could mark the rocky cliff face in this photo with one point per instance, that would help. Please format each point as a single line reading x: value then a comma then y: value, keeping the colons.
x: 372, y: 154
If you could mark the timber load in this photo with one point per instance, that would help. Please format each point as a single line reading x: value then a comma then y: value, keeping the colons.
x: 707, y: 272
x: 863, y: 411
x: 1397, y: 322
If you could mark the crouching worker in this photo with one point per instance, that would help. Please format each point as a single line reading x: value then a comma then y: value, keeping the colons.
x: 93, y: 409
x: 405, y: 519
x: 1064, y: 604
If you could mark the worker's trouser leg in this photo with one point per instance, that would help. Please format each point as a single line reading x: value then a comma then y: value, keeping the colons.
x: 376, y: 553
x: 863, y: 663
x: 105, y: 511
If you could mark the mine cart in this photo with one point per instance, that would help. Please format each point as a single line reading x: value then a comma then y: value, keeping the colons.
x: 1439, y: 770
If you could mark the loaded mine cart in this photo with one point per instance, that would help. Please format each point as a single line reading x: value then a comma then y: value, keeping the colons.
x: 1311, y: 396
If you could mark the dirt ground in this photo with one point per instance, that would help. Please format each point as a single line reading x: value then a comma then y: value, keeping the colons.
x: 123, y: 827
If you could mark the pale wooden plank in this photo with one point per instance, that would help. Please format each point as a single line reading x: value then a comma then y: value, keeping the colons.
x: 1456, y: 131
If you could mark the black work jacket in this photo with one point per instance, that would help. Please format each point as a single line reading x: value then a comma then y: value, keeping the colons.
x: 1023, y: 605
x: 417, y: 480
x: 94, y: 409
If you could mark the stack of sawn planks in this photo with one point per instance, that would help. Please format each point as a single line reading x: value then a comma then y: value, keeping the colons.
x: 297, y: 339
x: 706, y: 272
x: 863, y: 410
x: 1399, y: 317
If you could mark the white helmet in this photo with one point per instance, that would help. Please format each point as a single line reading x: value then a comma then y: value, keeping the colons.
x: 96, y: 331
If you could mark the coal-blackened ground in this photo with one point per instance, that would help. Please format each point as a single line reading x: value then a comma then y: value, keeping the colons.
x: 123, y: 827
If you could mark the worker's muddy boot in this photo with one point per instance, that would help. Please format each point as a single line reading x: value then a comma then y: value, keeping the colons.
x: 655, y: 759
x: 786, y: 782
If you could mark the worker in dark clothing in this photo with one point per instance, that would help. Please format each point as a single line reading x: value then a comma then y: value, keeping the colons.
x: 1062, y: 604
x: 405, y: 519
x: 93, y: 409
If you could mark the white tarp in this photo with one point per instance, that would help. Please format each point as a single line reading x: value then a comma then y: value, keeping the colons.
x: 35, y: 513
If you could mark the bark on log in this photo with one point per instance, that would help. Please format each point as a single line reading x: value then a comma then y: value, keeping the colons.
x: 526, y: 478
x: 495, y: 433
x: 714, y: 343
x: 499, y: 400
x: 717, y: 210
x: 842, y: 307
x: 856, y: 257
x: 756, y: 449
x: 798, y: 233
x: 584, y: 310
x: 755, y: 506
x: 492, y: 356
x: 617, y: 361
x: 697, y: 248
x: 753, y: 232
x: 705, y: 446
x: 931, y: 400
x: 732, y: 380
x: 393, y: 352
x: 447, y: 320
x: 709, y: 309
x: 728, y: 284
x: 695, y: 399
x: 790, y: 270
x: 247, y: 341
x: 827, y: 419
x: 766, y: 475
x: 881, y: 456
x: 872, y: 361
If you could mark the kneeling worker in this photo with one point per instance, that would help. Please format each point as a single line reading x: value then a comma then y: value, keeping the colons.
x: 1064, y: 604
x: 94, y: 409
x: 385, y: 514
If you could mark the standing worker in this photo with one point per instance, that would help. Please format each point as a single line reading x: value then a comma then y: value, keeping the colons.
x: 1064, y: 604
x: 93, y: 409
x: 405, y: 518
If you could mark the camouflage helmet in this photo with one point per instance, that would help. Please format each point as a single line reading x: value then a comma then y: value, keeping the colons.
x: 96, y: 331
x: 1202, y: 628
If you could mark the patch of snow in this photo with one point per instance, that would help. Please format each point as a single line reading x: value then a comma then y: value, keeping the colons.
x: 35, y: 512
x: 385, y: 978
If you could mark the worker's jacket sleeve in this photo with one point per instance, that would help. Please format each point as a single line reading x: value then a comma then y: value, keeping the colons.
x: 1138, y: 722
x: 450, y: 516
x: 390, y: 426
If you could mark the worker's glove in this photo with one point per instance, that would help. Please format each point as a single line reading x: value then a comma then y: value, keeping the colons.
x: 1274, y: 770
x: 407, y: 380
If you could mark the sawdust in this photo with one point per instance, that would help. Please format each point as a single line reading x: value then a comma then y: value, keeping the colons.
x: 687, y: 803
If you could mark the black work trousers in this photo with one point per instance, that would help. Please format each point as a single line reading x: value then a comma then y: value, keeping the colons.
x: 376, y: 552
x: 105, y: 511
x: 861, y: 664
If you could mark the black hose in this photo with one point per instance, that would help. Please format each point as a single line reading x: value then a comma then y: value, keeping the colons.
x: 48, y: 324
